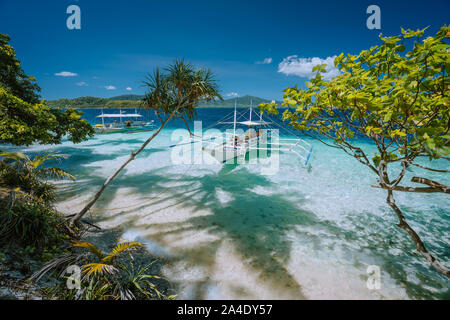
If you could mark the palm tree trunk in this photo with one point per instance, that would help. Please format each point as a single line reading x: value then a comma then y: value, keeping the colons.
x: 80, y: 215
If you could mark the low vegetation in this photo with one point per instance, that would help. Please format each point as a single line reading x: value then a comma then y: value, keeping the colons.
x: 30, y: 224
x: 112, y: 276
x: 18, y: 171
x: 33, y: 234
x: 28, y: 221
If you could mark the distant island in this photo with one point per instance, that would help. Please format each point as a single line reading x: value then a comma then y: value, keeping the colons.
x: 134, y: 101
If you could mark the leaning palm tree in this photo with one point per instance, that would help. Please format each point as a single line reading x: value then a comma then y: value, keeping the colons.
x: 173, y: 93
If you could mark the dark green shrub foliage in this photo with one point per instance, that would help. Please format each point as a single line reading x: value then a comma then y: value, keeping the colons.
x: 13, y: 177
x: 30, y: 223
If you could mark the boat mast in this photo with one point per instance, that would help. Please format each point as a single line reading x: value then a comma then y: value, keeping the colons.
x: 251, y: 105
x: 103, y: 119
x: 234, y: 124
x: 120, y: 118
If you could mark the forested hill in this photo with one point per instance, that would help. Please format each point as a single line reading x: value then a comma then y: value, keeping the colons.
x: 134, y: 101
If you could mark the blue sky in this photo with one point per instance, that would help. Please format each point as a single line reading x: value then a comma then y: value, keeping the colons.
x: 120, y: 41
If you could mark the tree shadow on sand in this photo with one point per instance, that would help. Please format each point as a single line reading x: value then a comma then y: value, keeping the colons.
x: 256, y: 224
x: 88, y: 180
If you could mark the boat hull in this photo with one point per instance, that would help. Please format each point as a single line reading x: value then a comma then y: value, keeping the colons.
x: 227, y: 153
x: 106, y: 130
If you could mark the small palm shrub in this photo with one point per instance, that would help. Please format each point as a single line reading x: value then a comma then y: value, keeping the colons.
x: 111, y: 276
x: 31, y: 175
x: 27, y: 220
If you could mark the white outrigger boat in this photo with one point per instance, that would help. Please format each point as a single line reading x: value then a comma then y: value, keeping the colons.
x: 257, y: 137
x: 123, y: 123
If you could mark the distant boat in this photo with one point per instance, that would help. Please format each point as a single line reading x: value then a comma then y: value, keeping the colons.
x: 123, y: 123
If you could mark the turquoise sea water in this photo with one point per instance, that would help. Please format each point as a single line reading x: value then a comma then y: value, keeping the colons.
x: 229, y: 231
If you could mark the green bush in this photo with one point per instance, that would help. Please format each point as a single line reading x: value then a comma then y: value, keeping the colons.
x: 13, y: 178
x: 107, y: 276
x: 31, y: 225
x: 31, y: 175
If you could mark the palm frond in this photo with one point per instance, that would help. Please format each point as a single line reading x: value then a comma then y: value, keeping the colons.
x: 180, y: 86
x: 99, y: 268
x: 52, y: 265
x: 121, y: 247
x: 87, y: 245
x: 39, y: 160
x: 16, y: 156
x: 55, y: 173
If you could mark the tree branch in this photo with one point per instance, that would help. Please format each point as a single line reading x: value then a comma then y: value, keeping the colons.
x: 431, y: 183
x: 419, y: 243
x: 412, y: 189
x: 187, y: 126
x: 431, y: 169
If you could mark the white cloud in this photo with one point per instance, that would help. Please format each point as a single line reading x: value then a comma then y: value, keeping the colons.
x: 129, y: 88
x: 265, y: 61
x: 302, y: 67
x: 82, y: 84
x: 66, y: 74
x: 232, y: 94
x: 110, y: 88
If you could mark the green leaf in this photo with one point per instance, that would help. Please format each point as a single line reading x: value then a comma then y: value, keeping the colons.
x: 388, y: 116
x: 376, y: 160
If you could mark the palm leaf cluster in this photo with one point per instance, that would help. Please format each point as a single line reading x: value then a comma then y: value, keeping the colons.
x: 113, y: 275
x: 179, y: 88
x: 105, y: 263
x: 31, y: 175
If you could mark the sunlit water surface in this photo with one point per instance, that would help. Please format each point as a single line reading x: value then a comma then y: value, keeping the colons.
x: 228, y: 231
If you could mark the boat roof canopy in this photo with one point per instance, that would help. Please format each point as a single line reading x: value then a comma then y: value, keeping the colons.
x: 122, y: 115
x: 247, y: 123
x: 253, y: 123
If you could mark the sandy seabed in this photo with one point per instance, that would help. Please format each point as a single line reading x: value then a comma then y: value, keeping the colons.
x: 230, y: 232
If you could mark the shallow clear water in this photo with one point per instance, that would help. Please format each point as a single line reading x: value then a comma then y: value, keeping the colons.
x: 229, y: 231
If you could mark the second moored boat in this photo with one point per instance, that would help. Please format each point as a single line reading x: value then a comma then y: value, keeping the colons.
x: 123, y: 123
